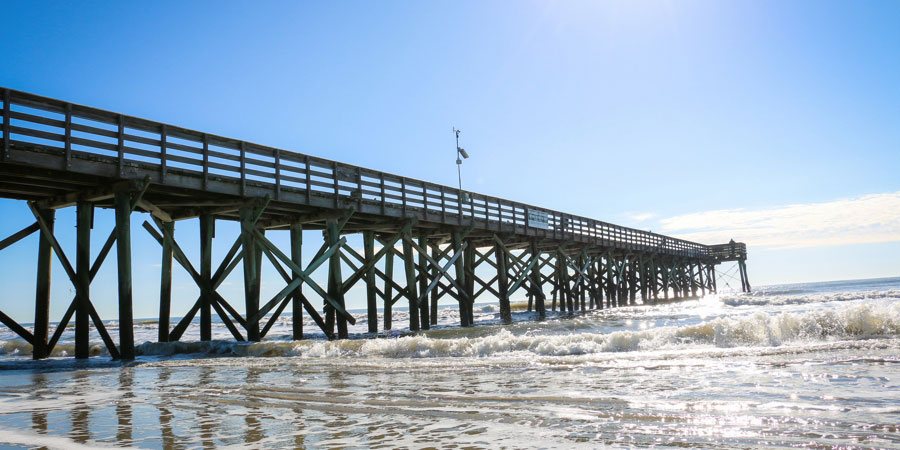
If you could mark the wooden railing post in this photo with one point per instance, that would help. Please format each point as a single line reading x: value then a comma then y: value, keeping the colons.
x: 67, y: 162
x: 6, y: 99
x: 243, y: 169
x: 163, y: 154
x: 120, y: 146
x: 205, y: 161
x: 277, y: 174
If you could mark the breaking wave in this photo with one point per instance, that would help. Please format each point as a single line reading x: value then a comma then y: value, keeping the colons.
x: 760, y: 299
x: 758, y: 330
x: 19, y: 347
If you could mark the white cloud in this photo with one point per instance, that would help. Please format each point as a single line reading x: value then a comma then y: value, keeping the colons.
x: 867, y: 219
x: 640, y: 216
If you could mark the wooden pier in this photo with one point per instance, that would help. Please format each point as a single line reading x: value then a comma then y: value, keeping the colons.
x: 57, y: 154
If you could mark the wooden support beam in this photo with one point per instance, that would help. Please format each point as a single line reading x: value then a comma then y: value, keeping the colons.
x: 745, y: 281
x: 165, y: 285
x: 271, y: 248
x: 335, y: 281
x: 565, y: 282
x: 40, y: 343
x: 435, y: 297
x: 84, y: 215
x: 307, y: 306
x: 468, y: 296
x: 700, y: 278
x: 371, y: 287
x: 465, y: 319
x: 503, y: 283
x: 439, y: 271
x: 123, y: 203
x: 207, y: 231
x: 154, y: 210
x: 536, y: 283
x: 297, y: 294
x: 388, y: 289
x: 207, y: 285
x: 252, y: 269
x: 16, y: 328
x: 218, y: 305
x: 423, y: 253
x: 412, y: 292
x: 19, y: 235
x: 422, y: 269
x: 387, y: 246
x: 610, y: 281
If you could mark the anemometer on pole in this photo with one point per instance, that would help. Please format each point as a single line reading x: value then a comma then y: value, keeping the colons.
x: 461, y: 154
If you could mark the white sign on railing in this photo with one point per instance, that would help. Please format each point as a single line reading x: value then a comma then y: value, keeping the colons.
x: 538, y: 219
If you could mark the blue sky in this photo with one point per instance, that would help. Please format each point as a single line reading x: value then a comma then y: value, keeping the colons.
x: 650, y: 114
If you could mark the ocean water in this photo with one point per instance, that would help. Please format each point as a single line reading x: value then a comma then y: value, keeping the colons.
x: 806, y: 365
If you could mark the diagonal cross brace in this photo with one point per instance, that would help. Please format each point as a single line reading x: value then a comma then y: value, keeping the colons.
x: 442, y: 271
x: 294, y: 283
x: 434, y: 263
x: 387, y: 246
x: 228, y: 264
x: 269, y: 247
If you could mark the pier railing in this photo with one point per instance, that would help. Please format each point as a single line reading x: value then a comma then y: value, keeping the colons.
x: 727, y: 252
x: 80, y: 132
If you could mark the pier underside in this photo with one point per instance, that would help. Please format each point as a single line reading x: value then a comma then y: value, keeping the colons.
x: 421, y: 241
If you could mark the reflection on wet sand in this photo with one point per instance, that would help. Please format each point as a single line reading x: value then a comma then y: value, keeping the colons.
x: 124, y: 433
x: 81, y: 413
x: 167, y: 435
x: 39, y: 417
x: 253, y: 431
x: 207, y: 417
x: 298, y: 426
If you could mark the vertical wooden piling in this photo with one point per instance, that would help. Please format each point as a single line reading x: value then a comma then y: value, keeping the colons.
x: 165, y: 282
x: 469, y: 270
x: 582, y: 283
x: 700, y: 276
x: 654, y: 269
x: 371, y: 294
x: 388, y: 289
x: 503, y: 284
x: 597, y: 267
x: 435, y: 254
x: 207, y: 230
x: 42, y: 290
x: 537, y: 285
x: 632, y: 281
x: 84, y: 215
x: 460, y: 267
x: 123, y: 257
x: 745, y: 282
x: 297, y: 294
x: 422, y: 269
x: 409, y: 266
x: 252, y: 260
x: 665, y: 279
x: 610, y: 281
x: 554, y: 293
x: 695, y: 285
x: 335, y: 280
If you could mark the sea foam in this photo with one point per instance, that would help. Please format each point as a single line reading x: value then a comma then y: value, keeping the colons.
x: 763, y: 298
x: 757, y: 330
